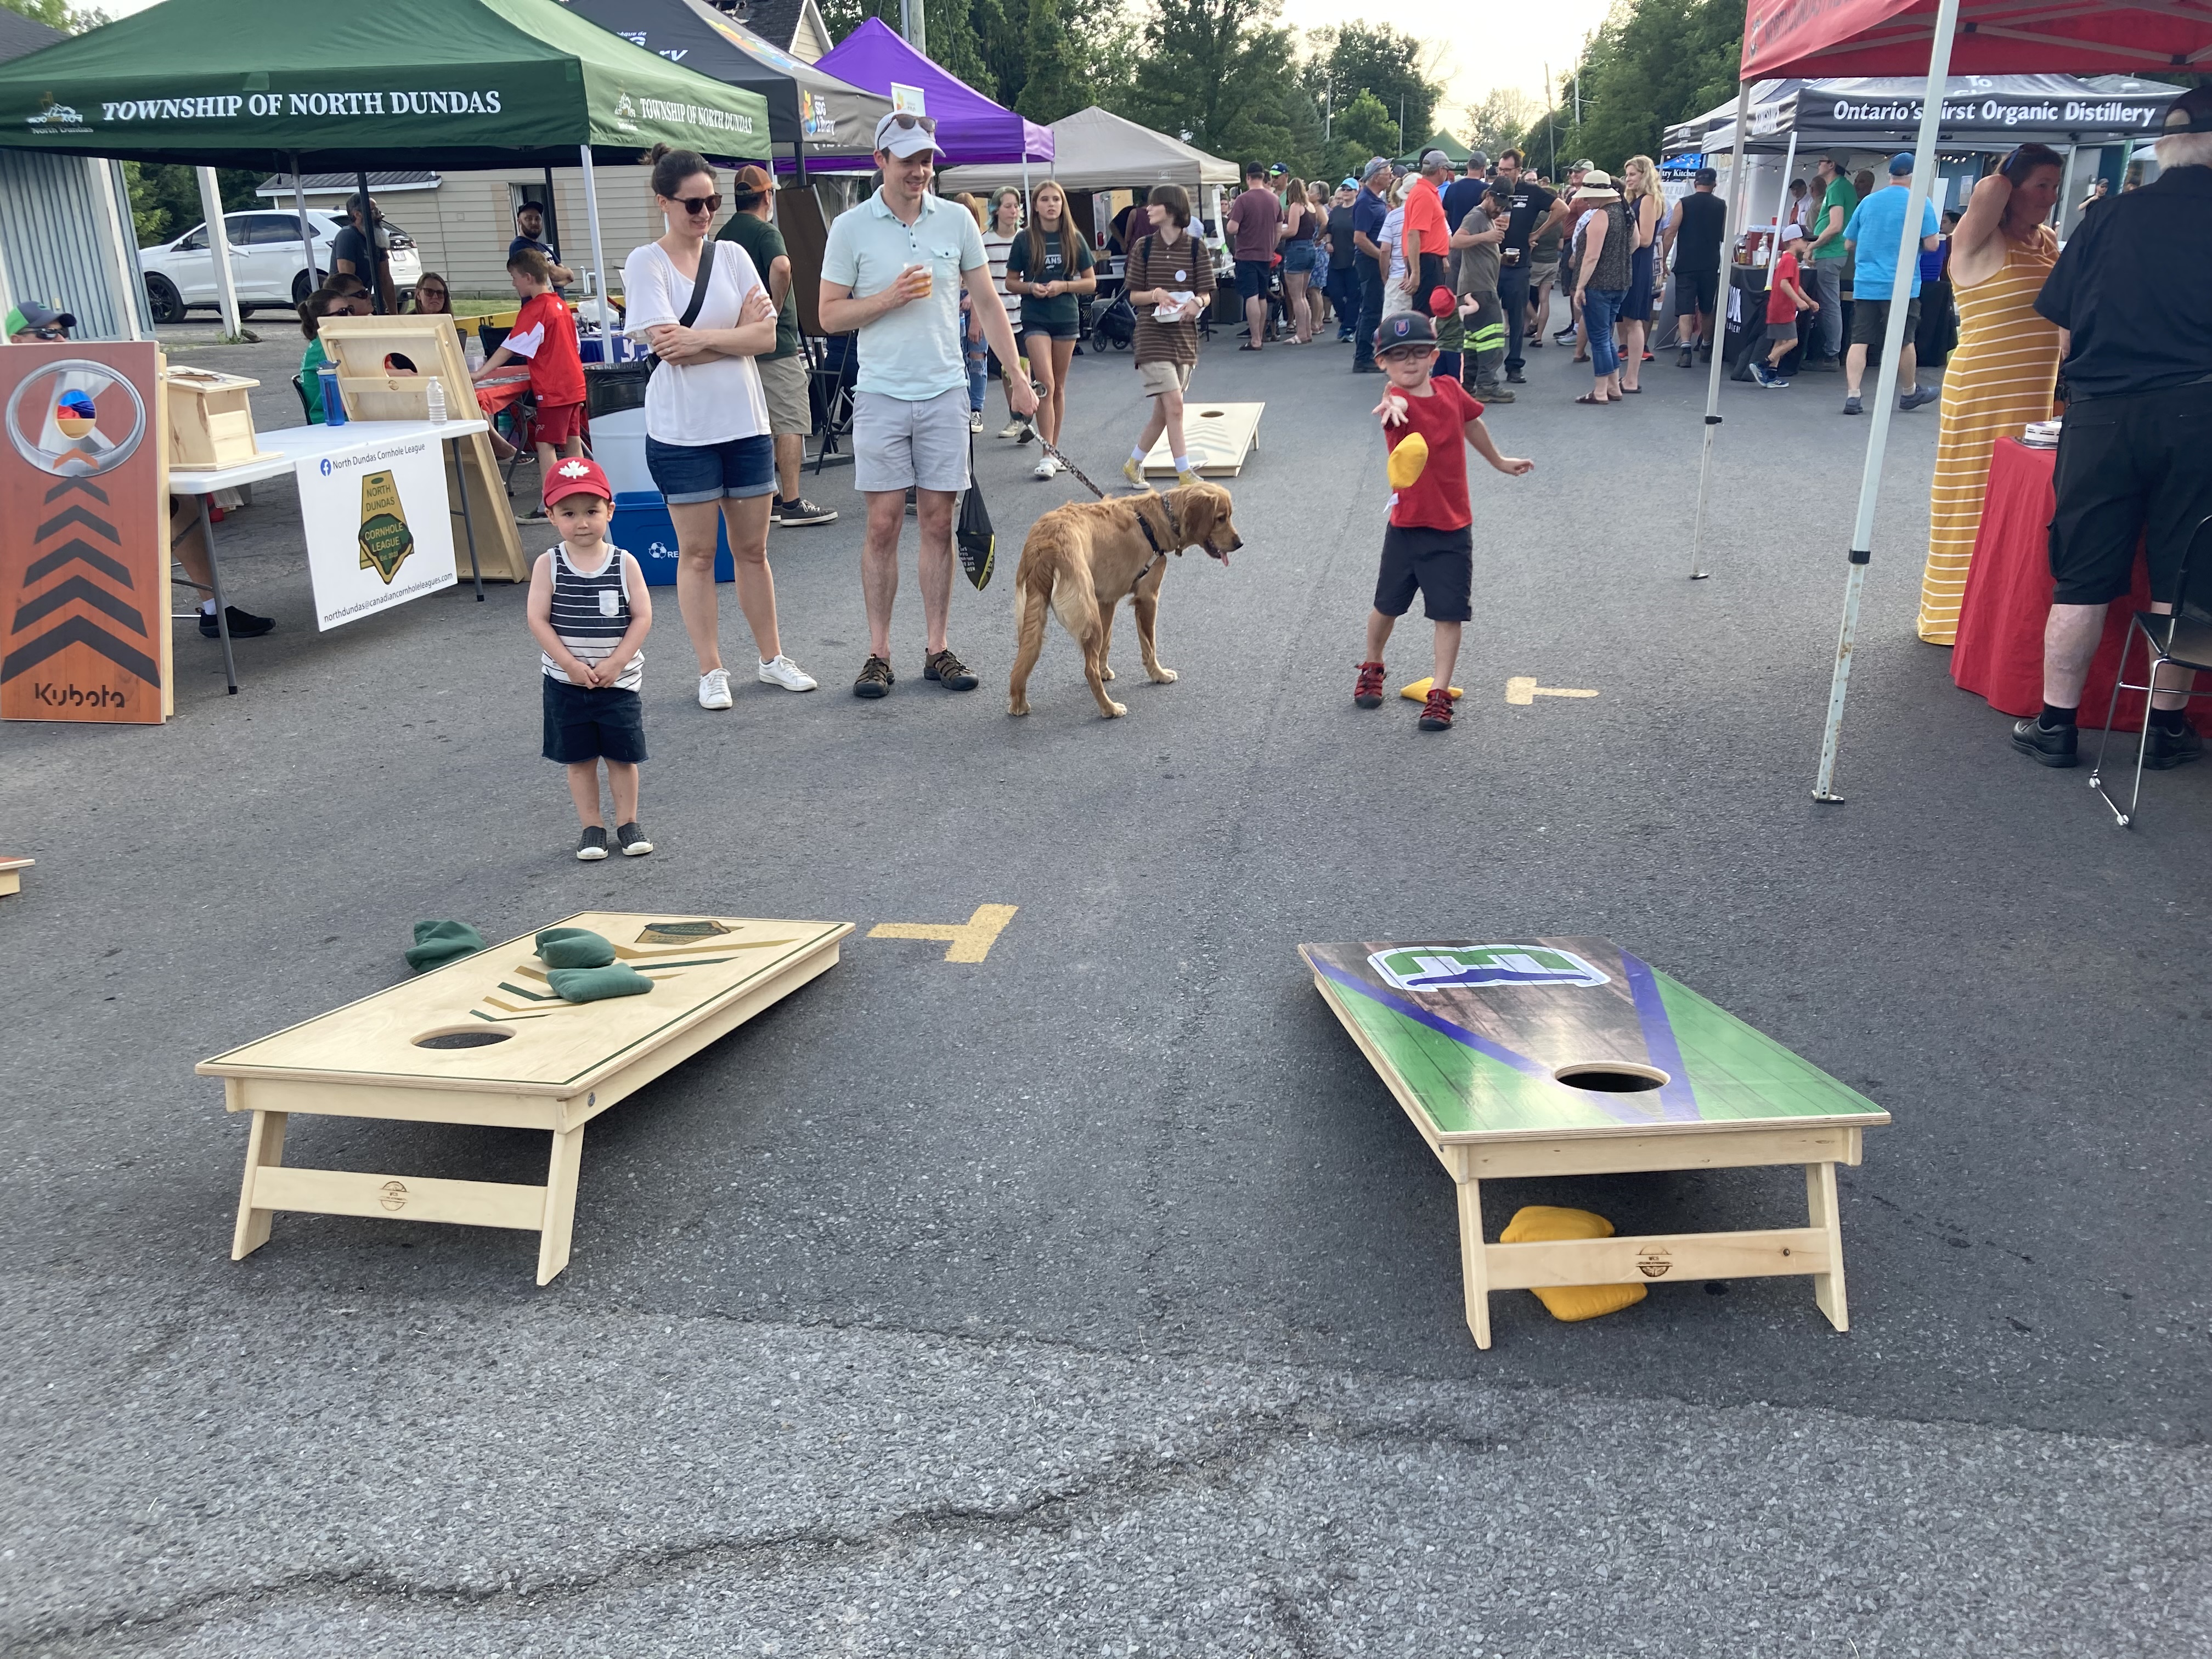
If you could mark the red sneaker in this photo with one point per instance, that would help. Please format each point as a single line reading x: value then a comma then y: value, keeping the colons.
x: 1368, y: 694
x: 1435, y: 713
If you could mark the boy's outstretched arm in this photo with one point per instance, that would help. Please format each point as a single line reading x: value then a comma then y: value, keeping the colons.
x: 1479, y: 435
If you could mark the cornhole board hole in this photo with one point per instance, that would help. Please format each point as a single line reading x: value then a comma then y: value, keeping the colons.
x: 11, y: 874
x: 484, y: 1040
x: 1220, y: 436
x: 1570, y: 1056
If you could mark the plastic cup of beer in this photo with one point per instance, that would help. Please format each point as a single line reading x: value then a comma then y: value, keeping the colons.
x: 928, y: 281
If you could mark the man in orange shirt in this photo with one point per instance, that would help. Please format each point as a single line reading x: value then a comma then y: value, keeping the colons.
x: 1427, y: 234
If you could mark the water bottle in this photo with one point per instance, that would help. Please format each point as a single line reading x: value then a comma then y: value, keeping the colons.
x: 437, y: 402
x: 474, y: 353
x: 333, y: 407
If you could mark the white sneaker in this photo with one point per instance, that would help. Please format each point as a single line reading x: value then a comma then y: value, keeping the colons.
x: 1013, y: 429
x: 974, y: 420
x: 1045, y: 468
x: 715, y: 689
x: 787, y: 674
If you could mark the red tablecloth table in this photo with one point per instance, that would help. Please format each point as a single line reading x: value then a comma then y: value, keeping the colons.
x: 1999, y: 652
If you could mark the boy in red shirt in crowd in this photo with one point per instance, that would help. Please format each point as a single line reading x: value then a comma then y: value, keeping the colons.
x: 1785, y: 299
x: 544, y: 337
x: 1429, y: 546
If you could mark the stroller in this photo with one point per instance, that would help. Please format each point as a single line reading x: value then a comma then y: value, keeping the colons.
x: 1115, y: 325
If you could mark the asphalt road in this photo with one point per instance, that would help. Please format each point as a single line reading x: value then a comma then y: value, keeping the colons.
x: 1097, y: 1298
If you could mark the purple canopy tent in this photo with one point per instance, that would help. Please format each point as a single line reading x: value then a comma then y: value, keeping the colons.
x: 971, y: 128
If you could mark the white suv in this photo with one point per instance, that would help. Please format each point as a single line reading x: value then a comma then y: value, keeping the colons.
x: 264, y: 262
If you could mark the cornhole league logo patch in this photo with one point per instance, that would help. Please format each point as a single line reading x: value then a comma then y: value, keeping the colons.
x: 1453, y: 967
x: 386, y: 540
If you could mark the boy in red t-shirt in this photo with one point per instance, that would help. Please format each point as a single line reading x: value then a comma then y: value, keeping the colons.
x: 1429, y: 546
x: 544, y: 337
x: 1785, y: 298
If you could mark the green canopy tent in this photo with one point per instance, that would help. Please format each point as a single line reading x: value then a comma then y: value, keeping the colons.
x: 1437, y: 140
x: 399, y: 83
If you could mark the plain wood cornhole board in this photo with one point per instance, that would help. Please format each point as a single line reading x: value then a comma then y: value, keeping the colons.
x: 11, y: 874
x: 551, y: 1065
x: 1220, y: 436
x: 1481, y: 1043
x: 358, y: 347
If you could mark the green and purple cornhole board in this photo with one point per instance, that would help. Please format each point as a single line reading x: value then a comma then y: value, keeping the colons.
x: 1570, y: 1056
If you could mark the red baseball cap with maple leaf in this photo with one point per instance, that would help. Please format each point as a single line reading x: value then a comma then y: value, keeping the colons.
x: 577, y: 476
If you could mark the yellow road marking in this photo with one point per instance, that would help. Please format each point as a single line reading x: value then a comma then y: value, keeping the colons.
x: 1523, y: 689
x: 965, y: 941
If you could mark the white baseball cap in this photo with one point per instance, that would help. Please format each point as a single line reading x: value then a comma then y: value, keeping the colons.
x: 904, y: 134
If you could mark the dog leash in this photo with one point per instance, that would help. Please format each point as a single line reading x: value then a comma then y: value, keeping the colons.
x: 1055, y: 454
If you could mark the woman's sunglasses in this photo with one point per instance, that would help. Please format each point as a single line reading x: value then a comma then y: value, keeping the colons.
x: 699, y: 204
x: 906, y: 122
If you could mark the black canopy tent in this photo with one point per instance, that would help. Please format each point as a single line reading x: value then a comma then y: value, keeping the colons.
x: 810, y: 111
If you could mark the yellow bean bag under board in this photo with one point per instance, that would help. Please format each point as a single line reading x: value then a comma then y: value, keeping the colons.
x: 1536, y: 1224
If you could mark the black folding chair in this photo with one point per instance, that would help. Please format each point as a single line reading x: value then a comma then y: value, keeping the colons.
x: 832, y: 367
x: 2180, y: 638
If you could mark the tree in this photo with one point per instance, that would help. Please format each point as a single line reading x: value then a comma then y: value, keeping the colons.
x: 1500, y: 120
x: 165, y: 197
x: 1362, y: 130
x: 1052, y: 87
x: 1222, y: 75
x: 1375, y: 57
x: 58, y: 15
x: 1652, y: 64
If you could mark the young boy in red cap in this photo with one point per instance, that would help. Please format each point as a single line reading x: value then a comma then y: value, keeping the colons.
x: 544, y: 337
x: 1428, y: 421
x: 591, y: 610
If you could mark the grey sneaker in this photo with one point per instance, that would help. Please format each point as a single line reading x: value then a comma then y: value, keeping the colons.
x: 1851, y: 405
x: 1919, y: 398
x: 800, y: 511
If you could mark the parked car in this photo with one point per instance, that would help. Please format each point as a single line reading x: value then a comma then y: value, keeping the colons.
x: 264, y: 262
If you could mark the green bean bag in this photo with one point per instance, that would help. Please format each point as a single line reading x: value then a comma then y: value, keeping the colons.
x: 573, y: 947
x: 437, y: 943
x: 597, y: 984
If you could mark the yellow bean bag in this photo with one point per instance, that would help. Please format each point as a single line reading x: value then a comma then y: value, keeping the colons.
x: 1408, y: 461
x: 1536, y: 1224
x: 1418, y: 691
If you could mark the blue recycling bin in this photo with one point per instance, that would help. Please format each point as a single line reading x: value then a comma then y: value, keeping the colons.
x: 643, y: 529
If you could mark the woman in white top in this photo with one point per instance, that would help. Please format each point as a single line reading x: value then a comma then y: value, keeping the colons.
x: 999, y: 236
x: 1392, y: 241
x: 707, y: 440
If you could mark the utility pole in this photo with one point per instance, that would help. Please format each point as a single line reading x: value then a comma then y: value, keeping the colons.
x: 1551, y: 126
x: 914, y: 26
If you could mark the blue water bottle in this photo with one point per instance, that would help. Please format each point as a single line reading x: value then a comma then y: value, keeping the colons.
x: 333, y: 407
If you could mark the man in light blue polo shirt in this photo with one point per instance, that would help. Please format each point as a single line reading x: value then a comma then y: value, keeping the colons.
x: 1872, y: 236
x: 892, y: 272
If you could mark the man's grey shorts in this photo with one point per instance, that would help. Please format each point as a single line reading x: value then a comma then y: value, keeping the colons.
x: 896, y: 443
x: 783, y: 383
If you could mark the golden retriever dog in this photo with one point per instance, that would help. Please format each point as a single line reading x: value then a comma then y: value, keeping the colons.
x: 1082, y: 559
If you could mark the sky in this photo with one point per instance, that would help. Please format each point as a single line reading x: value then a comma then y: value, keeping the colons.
x: 1509, y: 46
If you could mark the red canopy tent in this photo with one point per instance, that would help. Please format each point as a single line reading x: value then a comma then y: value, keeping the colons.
x: 1809, y: 38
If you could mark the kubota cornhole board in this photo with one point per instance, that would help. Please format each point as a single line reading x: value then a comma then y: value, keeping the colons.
x: 1571, y: 1057
x: 484, y: 1040
x: 1218, y: 436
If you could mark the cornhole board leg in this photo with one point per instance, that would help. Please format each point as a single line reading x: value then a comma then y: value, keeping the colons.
x: 264, y: 1149
x: 1474, y: 1261
x: 560, y: 1214
x: 1822, y: 1211
x: 11, y: 874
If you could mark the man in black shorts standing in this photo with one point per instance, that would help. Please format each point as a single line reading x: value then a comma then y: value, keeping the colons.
x: 1254, y: 218
x: 2134, y: 287
x: 1529, y: 209
x: 1696, y: 230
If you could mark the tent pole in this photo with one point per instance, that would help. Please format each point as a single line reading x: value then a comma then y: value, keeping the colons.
x: 1782, y: 200
x: 552, y: 219
x: 1736, y: 209
x: 599, y: 256
x: 307, y: 230
x: 799, y: 161
x: 1885, y: 391
x: 368, y: 233
x: 2066, y: 188
x: 226, y: 284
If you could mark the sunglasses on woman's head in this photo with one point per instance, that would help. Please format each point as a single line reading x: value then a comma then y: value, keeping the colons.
x: 906, y: 122
x: 699, y: 204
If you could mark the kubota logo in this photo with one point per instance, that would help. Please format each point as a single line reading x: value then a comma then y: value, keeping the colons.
x: 1452, y: 966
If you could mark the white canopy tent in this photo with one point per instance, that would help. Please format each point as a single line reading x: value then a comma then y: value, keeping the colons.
x: 1093, y: 149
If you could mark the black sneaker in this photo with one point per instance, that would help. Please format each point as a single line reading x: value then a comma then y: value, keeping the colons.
x: 594, y: 845
x: 634, y: 843
x: 1684, y: 360
x: 2053, y: 746
x: 244, y: 624
x: 876, y: 679
x: 799, y: 510
x: 2171, y: 748
x: 947, y: 671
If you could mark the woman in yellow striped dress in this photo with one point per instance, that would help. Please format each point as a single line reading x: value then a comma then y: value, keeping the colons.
x: 2003, y: 371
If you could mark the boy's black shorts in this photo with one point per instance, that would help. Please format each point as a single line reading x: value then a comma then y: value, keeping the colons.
x: 592, y: 722
x: 1440, y: 564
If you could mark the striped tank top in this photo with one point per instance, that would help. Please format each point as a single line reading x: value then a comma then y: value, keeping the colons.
x: 590, y: 615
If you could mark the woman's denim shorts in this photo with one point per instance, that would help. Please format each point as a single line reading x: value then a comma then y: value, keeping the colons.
x: 1298, y: 258
x: 684, y: 473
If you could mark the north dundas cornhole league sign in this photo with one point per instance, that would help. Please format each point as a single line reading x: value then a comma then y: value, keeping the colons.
x: 84, y: 567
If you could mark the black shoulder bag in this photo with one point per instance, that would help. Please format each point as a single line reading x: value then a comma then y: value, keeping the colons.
x: 698, y: 289
x: 974, y: 535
